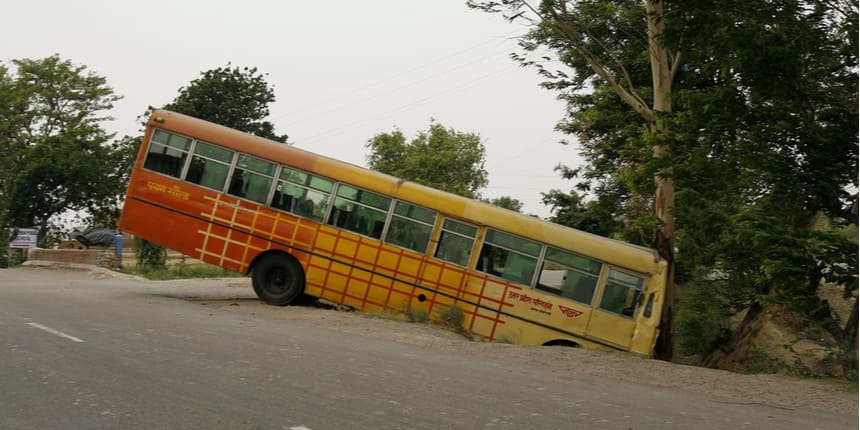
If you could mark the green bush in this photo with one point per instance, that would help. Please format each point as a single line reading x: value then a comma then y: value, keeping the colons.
x: 149, y: 255
x: 417, y: 315
x: 184, y: 271
x: 701, y: 324
x: 452, y: 317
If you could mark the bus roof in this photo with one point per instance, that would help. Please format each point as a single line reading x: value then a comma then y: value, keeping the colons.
x: 618, y: 253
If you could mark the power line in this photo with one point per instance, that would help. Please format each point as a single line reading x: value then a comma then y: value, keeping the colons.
x: 312, y: 107
x: 310, y: 114
x: 402, y: 108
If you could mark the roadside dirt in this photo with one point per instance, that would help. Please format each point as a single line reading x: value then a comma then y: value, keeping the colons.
x: 777, y: 391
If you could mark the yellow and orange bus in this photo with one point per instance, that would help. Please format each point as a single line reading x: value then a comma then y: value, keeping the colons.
x: 305, y: 225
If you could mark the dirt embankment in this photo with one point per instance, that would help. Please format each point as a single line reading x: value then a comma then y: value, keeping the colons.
x: 773, y: 390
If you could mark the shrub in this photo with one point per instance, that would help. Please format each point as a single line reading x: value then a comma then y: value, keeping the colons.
x: 149, y: 255
x: 452, y: 317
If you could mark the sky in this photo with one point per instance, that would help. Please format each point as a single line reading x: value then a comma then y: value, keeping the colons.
x: 342, y: 71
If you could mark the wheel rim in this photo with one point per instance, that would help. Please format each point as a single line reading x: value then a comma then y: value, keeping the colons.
x: 277, y: 280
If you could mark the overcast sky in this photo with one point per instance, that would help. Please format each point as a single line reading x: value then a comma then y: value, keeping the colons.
x: 342, y: 70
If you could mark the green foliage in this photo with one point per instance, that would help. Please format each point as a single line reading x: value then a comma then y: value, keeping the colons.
x: 507, y: 202
x: 54, y: 154
x: 149, y: 255
x: 182, y: 270
x: 417, y: 315
x: 233, y: 97
x: 452, y: 318
x: 703, y: 318
x: 441, y: 158
x: 594, y: 216
x: 763, y: 135
x: 11, y: 257
x: 758, y: 360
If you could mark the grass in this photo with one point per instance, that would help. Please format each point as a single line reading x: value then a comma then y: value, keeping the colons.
x: 449, y: 317
x: 417, y: 315
x: 452, y: 317
x: 182, y: 270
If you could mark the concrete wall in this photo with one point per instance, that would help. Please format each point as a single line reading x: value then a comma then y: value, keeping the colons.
x: 95, y: 257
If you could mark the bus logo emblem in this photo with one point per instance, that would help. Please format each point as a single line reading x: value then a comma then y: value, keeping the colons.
x: 570, y: 313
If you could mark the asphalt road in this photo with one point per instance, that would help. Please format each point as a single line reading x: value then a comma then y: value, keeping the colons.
x: 84, y: 353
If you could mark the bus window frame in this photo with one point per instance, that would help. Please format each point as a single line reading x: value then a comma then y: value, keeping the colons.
x: 606, y: 280
x: 598, y: 276
x: 539, y: 258
x: 230, y: 165
x: 185, y: 163
x: 438, y: 236
x: 329, y: 200
x: 392, y: 214
x: 272, y: 178
x: 333, y: 200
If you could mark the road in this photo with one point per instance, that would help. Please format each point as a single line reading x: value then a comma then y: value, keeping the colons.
x: 84, y: 353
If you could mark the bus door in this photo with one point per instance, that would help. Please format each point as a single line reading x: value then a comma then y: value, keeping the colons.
x: 613, y: 317
x: 575, y: 278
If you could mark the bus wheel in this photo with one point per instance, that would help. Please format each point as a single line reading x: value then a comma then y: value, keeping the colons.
x: 278, y: 279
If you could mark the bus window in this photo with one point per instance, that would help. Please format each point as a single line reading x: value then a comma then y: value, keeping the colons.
x: 569, y: 275
x: 359, y: 211
x: 509, y: 257
x: 209, y: 166
x: 621, y: 295
x: 167, y: 153
x: 252, y: 178
x: 302, y: 194
x: 455, y: 242
x: 411, y: 227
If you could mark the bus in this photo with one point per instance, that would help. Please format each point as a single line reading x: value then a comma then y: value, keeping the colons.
x: 303, y: 225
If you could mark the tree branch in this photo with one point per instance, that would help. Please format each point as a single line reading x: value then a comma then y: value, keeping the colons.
x: 633, y: 100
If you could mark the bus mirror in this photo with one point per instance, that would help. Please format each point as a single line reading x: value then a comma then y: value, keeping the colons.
x: 650, y: 306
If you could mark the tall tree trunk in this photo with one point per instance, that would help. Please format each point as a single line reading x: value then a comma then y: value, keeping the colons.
x: 664, y: 67
x: 727, y: 354
x: 849, y: 344
x: 662, y: 75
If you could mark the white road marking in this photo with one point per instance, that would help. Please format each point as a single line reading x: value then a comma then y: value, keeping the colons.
x: 55, y: 332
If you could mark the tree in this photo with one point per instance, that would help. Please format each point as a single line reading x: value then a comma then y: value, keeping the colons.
x: 233, y: 97
x: 568, y: 28
x: 56, y: 156
x: 440, y: 157
x: 749, y: 103
x: 507, y: 202
x: 572, y: 209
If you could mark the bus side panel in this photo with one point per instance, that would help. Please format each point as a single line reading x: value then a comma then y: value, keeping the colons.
x: 154, y: 210
x: 212, y: 227
x: 649, y: 315
x: 365, y: 273
x: 483, y: 299
x: 173, y: 232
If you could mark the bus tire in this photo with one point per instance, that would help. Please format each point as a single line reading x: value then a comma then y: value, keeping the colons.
x: 278, y: 279
x: 562, y: 342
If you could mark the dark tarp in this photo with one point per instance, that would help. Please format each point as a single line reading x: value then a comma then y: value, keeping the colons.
x: 95, y: 237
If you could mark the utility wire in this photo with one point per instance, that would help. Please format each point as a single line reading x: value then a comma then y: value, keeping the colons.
x: 340, y: 129
x: 384, y: 92
x: 311, y: 108
x: 423, y: 66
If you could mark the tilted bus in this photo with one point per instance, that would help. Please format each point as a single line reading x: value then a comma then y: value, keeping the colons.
x: 304, y: 225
